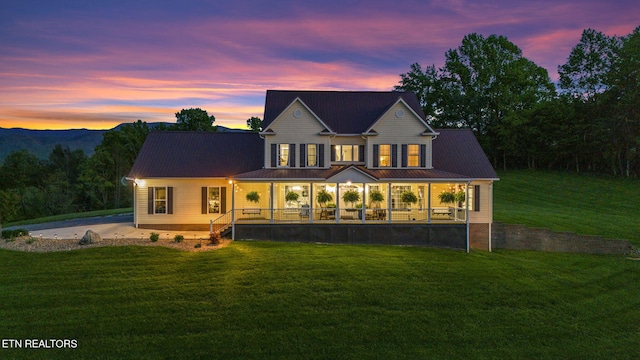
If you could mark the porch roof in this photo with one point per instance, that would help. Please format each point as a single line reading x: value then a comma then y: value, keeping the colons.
x: 324, y: 174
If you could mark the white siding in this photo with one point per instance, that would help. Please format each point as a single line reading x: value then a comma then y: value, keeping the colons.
x: 187, y: 201
x: 296, y: 130
x: 394, y: 130
x: 484, y: 215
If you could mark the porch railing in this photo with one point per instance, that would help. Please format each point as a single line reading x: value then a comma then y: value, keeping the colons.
x: 221, y: 223
x: 332, y: 215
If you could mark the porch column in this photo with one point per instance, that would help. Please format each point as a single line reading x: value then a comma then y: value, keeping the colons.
x: 429, y: 203
x: 311, y: 203
x: 233, y: 209
x: 364, y: 206
x: 337, y: 203
x: 389, y: 202
x: 271, y: 203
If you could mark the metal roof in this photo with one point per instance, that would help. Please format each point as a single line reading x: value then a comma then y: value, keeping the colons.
x: 345, y: 112
x: 186, y: 154
x: 458, y: 151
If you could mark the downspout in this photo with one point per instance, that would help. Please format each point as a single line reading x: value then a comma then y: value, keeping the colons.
x: 490, y: 212
x: 466, y: 196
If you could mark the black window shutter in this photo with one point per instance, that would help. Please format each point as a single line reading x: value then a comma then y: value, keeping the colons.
x: 170, y: 200
x: 223, y: 200
x: 423, y: 155
x: 303, y: 155
x: 321, y: 155
x: 292, y: 155
x: 361, y: 153
x: 205, y: 193
x: 394, y: 155
x: 476, y: 197
x: 333, y: 153
x: 274, y: 155
x: 150, y: 201
x: 376, y: 155
x: 405, y: 155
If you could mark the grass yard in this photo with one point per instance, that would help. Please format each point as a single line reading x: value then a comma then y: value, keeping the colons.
x: 584, y: 204
x: 257, y: 300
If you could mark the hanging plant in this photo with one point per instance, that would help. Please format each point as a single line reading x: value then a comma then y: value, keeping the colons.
x: 459, y: 197
x: 447, y: 197
x: 291, y: 196
x: 376, y: 197
x: 253, y: 196
x: 351, y: 196
x: 323, y: 197
x: 408, y: 197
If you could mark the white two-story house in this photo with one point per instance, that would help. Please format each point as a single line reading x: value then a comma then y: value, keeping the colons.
x: 328, y: 166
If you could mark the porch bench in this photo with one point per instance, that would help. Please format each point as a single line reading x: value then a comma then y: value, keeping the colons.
x: 251, y: 211
x: 441, y: 211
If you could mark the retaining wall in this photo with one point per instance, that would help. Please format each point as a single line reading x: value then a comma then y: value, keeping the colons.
x: 520, y: 237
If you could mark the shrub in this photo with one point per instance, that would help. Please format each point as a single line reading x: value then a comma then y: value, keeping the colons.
x: 31, y: 240
x: 154, y: 237
x: 178, y: 238
x: 10, y: 234
x: 214, y: 237
x: 198, y: 246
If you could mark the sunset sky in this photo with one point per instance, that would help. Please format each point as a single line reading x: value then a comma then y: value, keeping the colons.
x: 95, y: 64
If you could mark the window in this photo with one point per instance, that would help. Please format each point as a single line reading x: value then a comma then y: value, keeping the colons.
x: 160, y: 200
x: 312, y: 155
x: 413, y: 155
x: 396, y: 197
x: 346, y: 153
x: 385, y: 155
x: 213, y: 200
x: 283, y: 155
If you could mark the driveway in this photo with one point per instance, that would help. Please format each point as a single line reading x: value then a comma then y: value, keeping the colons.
x: 109, y: 227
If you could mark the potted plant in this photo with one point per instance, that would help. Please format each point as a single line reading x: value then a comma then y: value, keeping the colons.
x: 291, y: 196
x: 376, y: 197
x: 350, y: 197
x: 408, y: 197
x: 253, y: 196
x: 323, y: 197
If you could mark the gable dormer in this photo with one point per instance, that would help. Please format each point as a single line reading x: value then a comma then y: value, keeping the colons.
x: 296, y: 138
x: 399, y: 138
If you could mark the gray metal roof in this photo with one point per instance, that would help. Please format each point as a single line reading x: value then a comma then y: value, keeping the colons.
x: 185, y: 154
x: 458, y: 151
x: 345, y: 112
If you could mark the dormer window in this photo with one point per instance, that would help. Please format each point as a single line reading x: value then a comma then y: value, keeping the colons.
x: 385, y: 155
x: 346, y: 153
x: 283, y: 155
x: 413, y: 155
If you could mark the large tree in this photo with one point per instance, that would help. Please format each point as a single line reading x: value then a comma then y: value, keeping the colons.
x: 425, y: 84
x: 254, y: 123
x: 194, y: 120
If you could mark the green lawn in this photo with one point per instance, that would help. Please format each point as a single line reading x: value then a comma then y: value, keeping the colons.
x: 256, y: 300
x: 584, y: 204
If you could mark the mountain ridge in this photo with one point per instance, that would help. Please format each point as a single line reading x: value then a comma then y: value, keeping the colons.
x: 41, y: 142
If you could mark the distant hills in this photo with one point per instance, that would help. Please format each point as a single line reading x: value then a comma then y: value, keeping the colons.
x: 41, y: 142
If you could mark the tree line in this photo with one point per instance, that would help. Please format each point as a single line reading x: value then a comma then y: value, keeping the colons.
x: 70, y: 181
x: 588, y: 121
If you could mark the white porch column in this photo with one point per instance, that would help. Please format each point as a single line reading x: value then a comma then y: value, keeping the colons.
x: 337, y: 203
x: 429, y: 203
x: 364, y: 203
x: 389, y: 202
x: 271, y: 202
x: 311, y: 203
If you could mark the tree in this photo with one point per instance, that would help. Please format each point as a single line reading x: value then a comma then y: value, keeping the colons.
x: 585, y: 73
x: 254, y: 123
x: 194, y: 120
x: 426, y: 85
